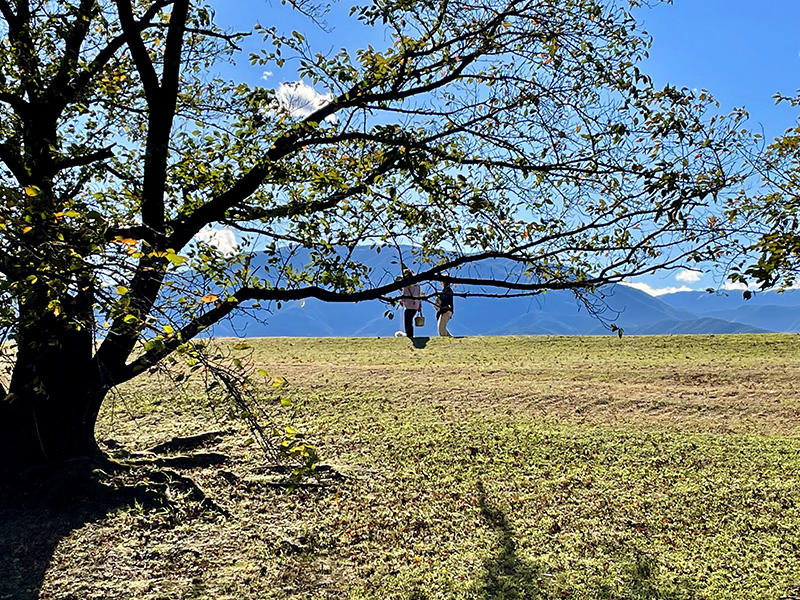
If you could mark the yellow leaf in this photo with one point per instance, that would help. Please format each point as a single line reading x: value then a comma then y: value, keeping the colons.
x: 209, y: 298
x: 175, y: 259
x: 121, y: 290
x: 27, y: 229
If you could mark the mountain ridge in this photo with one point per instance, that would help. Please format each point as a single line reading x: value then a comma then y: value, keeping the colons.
x: 555, y: 312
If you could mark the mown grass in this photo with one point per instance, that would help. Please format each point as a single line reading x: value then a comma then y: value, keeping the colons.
x: 482, y: 468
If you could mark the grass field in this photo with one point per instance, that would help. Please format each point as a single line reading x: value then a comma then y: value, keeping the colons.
x: 478, y: 468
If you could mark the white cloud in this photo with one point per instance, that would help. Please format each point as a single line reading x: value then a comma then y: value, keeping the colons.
x: 730, y: 286
x: 223, y: 240
x: 266, y: 75
x: 648, y: 289
x: 301, y: 100
x: 689, y: 276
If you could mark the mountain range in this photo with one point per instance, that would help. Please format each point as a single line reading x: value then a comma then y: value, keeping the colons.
x: 555, y: 312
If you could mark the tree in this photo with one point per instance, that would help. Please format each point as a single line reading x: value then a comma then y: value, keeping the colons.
x: 769, y: 221
x: 518, y: 129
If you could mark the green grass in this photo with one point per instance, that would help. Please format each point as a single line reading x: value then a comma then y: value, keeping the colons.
x: 482, y: 468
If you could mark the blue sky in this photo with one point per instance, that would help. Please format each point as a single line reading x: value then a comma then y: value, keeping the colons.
x: 742, y: 51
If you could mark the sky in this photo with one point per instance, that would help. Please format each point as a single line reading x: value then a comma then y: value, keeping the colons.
x: 742, y: 51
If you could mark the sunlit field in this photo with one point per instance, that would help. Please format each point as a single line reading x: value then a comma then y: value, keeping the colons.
x: 486, y: 468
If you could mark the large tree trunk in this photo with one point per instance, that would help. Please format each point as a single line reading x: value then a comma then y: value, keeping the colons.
x: 53, y: 399
x: 40, y: 428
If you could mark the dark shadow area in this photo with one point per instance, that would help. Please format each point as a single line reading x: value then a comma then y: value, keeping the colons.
x: 507, y: 576
x: 36, y: 512
x: 420, y: 342
x: 45, y: 505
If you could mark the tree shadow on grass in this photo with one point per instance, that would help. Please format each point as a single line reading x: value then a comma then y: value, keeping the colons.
x: 41, y: 509
x: 507, y: 576
x: 36, y: 513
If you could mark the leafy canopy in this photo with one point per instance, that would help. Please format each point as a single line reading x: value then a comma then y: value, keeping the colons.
x: 769, y: 220
x: 513, y: 129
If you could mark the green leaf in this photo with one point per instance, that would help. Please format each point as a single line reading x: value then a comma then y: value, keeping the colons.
x: 174, y: 258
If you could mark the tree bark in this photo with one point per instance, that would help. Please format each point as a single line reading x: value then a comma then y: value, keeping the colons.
x: 56, y: 389
x: 36, y: 429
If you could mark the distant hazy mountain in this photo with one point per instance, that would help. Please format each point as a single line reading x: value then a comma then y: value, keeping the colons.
x: 766, y: 310
x: 704, y: 301
x: 701, y: 325
x: 551, y: 313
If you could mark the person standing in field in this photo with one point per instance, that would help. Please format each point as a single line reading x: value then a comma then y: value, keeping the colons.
x: 410, y: 300
x: 444, y: 309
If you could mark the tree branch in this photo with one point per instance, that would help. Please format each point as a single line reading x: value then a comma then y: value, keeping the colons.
x: 84, y: 78
x: 15, y: 102
x: 8, y: 14
x: 116, y: 348
x: 215, y: 209
x: 300, y: 207
x: 131, y: 34
x: 73, y: 40
x: 162, y: 103
x: 246, y: 294
x: 85, y: 159
x: 170, y: 78
x: 136, y: 232
x: 231, y: 38
x: 12, y: 160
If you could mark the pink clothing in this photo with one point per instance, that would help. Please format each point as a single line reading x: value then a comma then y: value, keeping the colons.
x: 410, y: 298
